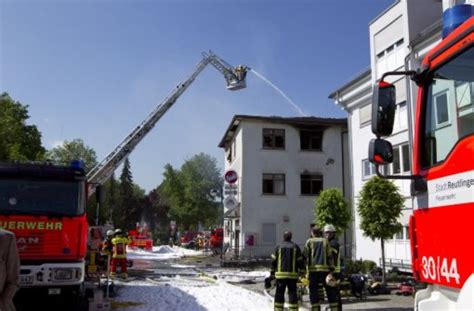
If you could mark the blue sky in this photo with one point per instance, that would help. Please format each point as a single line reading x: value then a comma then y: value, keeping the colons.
x: 95, y: 69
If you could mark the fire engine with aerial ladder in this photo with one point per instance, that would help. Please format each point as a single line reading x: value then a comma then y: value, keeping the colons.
x: 44, y: 204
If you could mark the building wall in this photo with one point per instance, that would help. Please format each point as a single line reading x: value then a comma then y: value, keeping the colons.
x: 231, y: 226
x: 291, y: 211
x: 390, y: 35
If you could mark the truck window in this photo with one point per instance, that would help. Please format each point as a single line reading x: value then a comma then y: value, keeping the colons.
x: 449, y: 109
x: 33, y: 197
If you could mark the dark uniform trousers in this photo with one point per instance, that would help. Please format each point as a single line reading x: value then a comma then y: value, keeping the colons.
x: 317, y: 282
x: 281, y: 285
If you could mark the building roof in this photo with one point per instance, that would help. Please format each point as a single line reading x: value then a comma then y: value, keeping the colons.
x: 361, y: 75
x: 295, y: 121
x: 384, y: 11
x: 431, y: 30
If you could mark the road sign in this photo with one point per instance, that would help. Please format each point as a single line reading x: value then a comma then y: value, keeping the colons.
x: 230, y: 186
x: 231, y: 176
x: 230, y: 192
x: 230, y: 202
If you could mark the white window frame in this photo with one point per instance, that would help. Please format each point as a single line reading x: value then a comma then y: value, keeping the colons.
x: 368, y: 121
x: 371, y: 169
x: 382, y: 58
x: 234, y: 149
x: 435, y: 106
x: 406, y: 233
x: 403, y: 170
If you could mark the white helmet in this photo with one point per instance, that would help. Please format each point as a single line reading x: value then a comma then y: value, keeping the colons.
x: 329, y: 228
x: 110, y: 232
x: 331, y: 280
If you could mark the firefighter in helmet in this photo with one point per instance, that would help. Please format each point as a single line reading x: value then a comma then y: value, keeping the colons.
x: 119, y: 253
x: 330, y: 234
x: 107, y: 246
x: 320, y: 264
x: 287, y: 262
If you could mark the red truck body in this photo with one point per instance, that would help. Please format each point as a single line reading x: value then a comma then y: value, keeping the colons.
x: 44, y: 205
x: 217, y: 238
x: 443, y: 220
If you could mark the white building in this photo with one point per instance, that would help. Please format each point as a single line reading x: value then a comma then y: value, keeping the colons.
x: 282, y: 164
x: 399, y: 38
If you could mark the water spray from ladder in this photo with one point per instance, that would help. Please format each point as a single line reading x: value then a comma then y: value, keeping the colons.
x: 295, y: 106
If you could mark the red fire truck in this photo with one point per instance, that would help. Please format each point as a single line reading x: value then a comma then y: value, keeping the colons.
x: 141, y: 237
x: 44, y: 205
x: 443, y: 167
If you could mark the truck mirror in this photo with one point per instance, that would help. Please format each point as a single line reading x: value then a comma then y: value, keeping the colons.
x: 380, y: 151
x: 383, y: 109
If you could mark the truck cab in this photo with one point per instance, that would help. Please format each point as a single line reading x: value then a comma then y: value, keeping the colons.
x: 44, y: 205
x: 443, y: 169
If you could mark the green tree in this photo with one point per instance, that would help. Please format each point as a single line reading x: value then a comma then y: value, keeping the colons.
x: 130, y: 200
x: 188, y: 191
x: 380, y: 206
x: 331, y: 208
x: 18, y: 141
x: 111, y: 196
x: 157, y: 214
x: 73, y: 150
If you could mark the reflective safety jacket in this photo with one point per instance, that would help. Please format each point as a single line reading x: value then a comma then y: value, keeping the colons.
x: 107, y: 246
x: 318, y: 255
x: 120, y: 247
x: 336, y: 254
x: 287, y: 261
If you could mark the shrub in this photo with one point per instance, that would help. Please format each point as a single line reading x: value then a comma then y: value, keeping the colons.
x: 356, y: 266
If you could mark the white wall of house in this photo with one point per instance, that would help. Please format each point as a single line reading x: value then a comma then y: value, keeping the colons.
x: 234, y: 161
x: 267, y: 216
x: 390, y: 34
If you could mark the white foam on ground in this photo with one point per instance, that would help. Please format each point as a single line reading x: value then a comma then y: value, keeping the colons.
x: 163, y: 252
x: 189, y: 295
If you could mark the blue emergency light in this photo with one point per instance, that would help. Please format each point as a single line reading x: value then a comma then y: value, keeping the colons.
x: 455, y: 16
x: 77, y: 165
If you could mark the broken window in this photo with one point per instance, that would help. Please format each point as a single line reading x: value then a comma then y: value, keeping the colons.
x: 273, y: 139
x: 311, y: 140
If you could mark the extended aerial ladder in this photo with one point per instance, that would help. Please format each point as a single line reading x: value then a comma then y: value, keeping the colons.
x: 235, y: 80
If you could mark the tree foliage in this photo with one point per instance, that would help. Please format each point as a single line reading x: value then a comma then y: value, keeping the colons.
x: 131, y: 200
x: 72, y: 150
x: 331, y: 208
x: 380, y: 206
x: 18, y: 141
x: 157, y: 214
x: 188, y: 191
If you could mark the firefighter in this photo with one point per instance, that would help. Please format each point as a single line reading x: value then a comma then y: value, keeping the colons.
x: 10, y: 267
x: 119, y: 255
x: 330, y: 234
x: 319, y: 261
x: 107, y: 245
x: 287, y: 261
